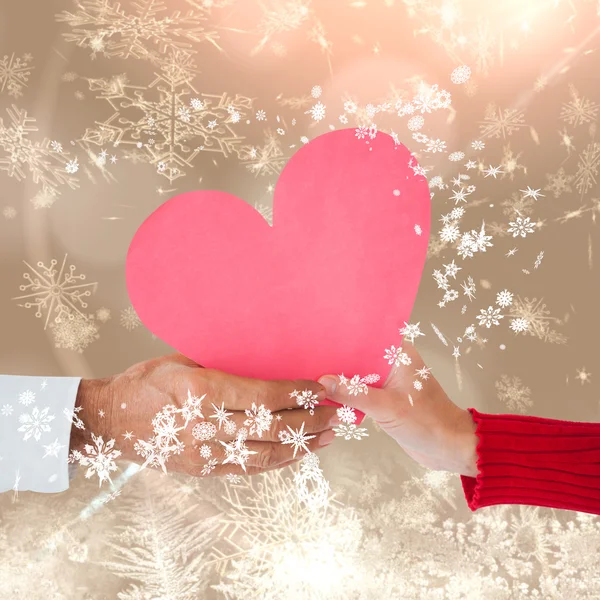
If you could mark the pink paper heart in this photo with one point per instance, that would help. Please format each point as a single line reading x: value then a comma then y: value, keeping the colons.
x: 324, y: 290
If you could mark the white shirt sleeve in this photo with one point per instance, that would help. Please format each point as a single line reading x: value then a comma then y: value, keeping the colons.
x: 36, y: 414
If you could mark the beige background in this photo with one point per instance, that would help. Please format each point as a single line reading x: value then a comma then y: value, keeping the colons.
x: 399, y: 530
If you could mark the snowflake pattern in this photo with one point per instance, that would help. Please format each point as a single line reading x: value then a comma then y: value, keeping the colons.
x: 237, y: 452
x: 105, y: 27
x: 296, y: 438
x: 160, y: 121
x: 76, y: 332
x: 99, y: 458
x: 258, y: 420
x: 36, y: 423
x: 579, y: 110
x: 306, y: 399
x: 350, y: 431
x: 279, y: 533
x: 396, y: 357
x: 21, y: 154
x: 27, y: 397
x: 58, y: 293
x: 357, y: 384
x: 14, y: 74
x: 514, y: 394
x: 499, y: 122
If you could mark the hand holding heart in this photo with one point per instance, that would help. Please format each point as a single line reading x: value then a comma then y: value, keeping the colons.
x: 157, y: 389
x: 432, y: 429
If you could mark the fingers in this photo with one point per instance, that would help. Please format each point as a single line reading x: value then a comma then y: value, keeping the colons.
x: 376, y: 402
x: 260, y: 455
x: 239, y: 393
x: 262, y: 426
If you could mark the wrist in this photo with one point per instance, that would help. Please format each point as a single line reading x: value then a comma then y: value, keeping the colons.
x: 92, y: 397
x: 467, y: 441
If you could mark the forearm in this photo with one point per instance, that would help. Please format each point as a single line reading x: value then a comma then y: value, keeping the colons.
x: 466, y: 441
x: 535, y: 461
x: 35, y: 430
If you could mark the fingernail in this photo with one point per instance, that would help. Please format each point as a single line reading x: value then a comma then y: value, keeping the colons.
x: 335, y: 421
x: 329, y: 383
x: 326, y: 437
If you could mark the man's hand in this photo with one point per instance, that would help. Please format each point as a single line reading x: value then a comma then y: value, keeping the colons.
x: 173, y: 413
x: 432, y: 430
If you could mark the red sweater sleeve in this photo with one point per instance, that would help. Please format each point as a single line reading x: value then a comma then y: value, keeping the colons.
x: 536, y: 461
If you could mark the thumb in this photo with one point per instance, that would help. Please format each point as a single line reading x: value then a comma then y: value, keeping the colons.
x: 373, y: 401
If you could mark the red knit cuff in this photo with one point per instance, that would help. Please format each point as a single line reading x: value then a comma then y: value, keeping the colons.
x: 535, y: 461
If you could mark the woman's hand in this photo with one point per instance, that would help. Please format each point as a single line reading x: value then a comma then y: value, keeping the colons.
x: 433, y: 430
x: 172, y: 413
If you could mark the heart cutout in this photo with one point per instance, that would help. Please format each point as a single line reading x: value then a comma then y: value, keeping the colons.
x: 324, y: 290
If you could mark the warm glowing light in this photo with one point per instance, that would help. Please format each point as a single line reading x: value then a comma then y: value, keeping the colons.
x: 449, y: 14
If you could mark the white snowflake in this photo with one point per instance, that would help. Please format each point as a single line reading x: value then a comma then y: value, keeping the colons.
x: 26, y: 398
x: 306, y: 399
x: 297, y: 438
x: 311, y: 486
x: 350, y: 107
x: 204, y: 431
x: 35, y: 423
x: 71, y: 416
x: 415, y: 123
x: 259, y: 419
x: 236, y: 452
x: 411, y: 331
x: 355, y: 385
x: 449, y: 233
x: 192, y: 407
x: 396, y: 357
x: 221, y: 415
x: 504, y: 298
x: 165, y: 441
x: 205, y: 451
x: 138, y: 31
x: 489, y: 317
x: 184, y: 114
x: 6, y: 410
x: 99, y: 458
x: 229, y: 427
x: 460, y: 75
x: 14, y: 73
x: 350, y: 432
x: 423, y: 372
x: 53, y: 449
x: 436, y: 145
x: 521, y: 226
x: 520, y: 324
x: 317, y: 112
x: 371, y: 378
x: 209, y: 467
x: 72, y: 166
x: 20, y: 153
x: 130, y: 319
x: 346, y: 414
